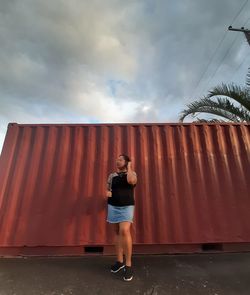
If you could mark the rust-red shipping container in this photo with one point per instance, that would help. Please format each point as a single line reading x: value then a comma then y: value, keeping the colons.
x: 193, y: 191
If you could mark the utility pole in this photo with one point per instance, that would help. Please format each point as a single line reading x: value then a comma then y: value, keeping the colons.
x: 243, y: 30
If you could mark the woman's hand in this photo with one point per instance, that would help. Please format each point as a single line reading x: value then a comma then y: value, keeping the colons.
x: 108, y: 194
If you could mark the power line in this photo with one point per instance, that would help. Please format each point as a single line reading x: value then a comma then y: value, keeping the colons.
x: 242, y: 62
x: 239, y: 11
x: 243, y: 30
x: 235, y: 72
x: 224, y: 57
x: 219, y: 65
x: 212, y: 57
x: 217, y: 48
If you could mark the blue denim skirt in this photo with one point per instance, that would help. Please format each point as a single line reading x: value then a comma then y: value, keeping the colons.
x: 120, y: 213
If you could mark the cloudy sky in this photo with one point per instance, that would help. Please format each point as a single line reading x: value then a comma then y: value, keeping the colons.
x: 98, y: 61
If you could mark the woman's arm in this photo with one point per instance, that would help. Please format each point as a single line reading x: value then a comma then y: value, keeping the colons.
x: 108, y: 190
x: 131, y: 175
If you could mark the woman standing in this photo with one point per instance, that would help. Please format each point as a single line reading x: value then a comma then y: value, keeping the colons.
x: 121, y: 204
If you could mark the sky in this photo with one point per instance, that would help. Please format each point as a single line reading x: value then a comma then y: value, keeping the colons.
x: 115, y: 61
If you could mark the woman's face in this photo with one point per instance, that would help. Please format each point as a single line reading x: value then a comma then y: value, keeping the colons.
x: 120, y: 162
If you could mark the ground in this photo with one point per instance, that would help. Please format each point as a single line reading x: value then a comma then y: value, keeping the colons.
x: 213, y: 274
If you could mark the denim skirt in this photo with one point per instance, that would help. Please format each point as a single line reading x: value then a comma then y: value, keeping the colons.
x: 118, y: 214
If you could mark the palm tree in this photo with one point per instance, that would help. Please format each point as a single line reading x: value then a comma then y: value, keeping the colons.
x: 248, y: 79
x: 228, y: 101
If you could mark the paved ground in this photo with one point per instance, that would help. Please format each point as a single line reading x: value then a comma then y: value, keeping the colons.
x: 213, y: 274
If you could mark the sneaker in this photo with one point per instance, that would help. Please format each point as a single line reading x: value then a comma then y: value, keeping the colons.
x: 117, y: 266
x: 128, y: 273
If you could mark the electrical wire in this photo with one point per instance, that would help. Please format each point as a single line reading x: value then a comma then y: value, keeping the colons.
x: 244, y: 4
x: 224, y: 57
x: 217, y: 48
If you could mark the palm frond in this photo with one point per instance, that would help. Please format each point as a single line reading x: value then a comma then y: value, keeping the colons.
x: 219, y: 102
x: 199, y: 120
x: 235, y: 92
x: 223, y: 107
x: 248, y: 79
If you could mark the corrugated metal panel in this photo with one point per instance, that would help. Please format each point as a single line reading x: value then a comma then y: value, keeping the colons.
x: 193, y: 183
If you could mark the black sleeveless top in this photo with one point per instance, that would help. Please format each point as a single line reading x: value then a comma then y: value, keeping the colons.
x: 122, y: 191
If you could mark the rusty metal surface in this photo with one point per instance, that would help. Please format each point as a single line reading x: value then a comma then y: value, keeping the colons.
x: 193, y: 183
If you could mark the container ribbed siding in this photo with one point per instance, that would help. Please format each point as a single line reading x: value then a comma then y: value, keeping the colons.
x: 193, y: 183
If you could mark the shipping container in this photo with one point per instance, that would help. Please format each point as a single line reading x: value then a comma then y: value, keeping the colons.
x: 192, y: 195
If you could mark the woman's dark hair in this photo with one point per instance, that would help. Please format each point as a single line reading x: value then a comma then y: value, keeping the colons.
x: 126, y: 158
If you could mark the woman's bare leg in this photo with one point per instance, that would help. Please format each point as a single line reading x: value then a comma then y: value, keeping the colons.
x: 126, y: 239
x: 118, y: 243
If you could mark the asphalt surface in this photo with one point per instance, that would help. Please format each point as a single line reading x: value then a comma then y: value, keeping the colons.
x: 213, y: 274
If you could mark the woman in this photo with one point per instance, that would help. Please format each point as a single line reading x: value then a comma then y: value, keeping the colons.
x: 121, y: 204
